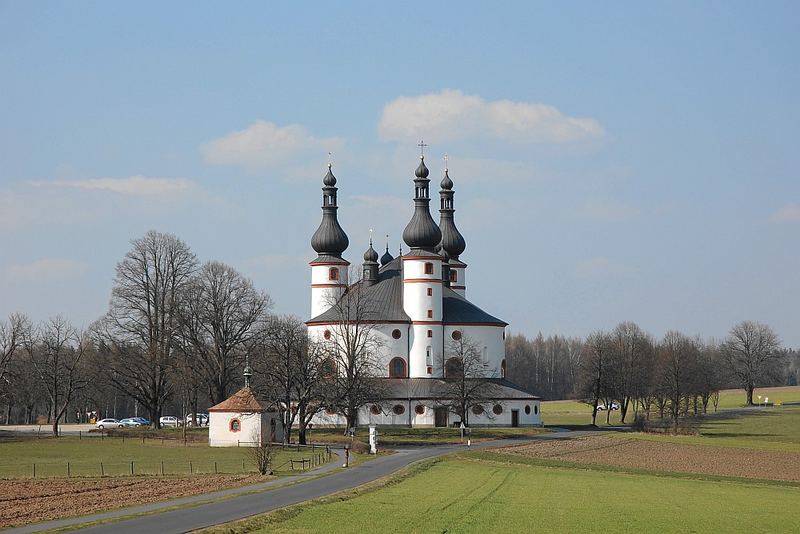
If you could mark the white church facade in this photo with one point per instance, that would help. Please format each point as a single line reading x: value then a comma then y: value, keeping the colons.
x: 421, y: 308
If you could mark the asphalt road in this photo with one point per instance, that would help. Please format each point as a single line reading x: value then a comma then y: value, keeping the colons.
x: 239, y: 507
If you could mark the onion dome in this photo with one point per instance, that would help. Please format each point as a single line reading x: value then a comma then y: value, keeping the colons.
x: 329, y: 239
x: 453, y: 242
x: 370, y: 254
x: 387, y: 257
x: 421, y: 232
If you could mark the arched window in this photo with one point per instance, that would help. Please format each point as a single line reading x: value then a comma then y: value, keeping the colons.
x: 397, y: 368
x: 430, y: 333
x: 399, y: 409
x: 456, y: 334
x: 328, y: 369
x: 396, y: 333
x: 428, y: 268
x: 503, y: 369
x: 333, y: 273
x: 375, y: 409
x: 326, y: 334
x: 428, y: 356
x: 236, y: 425
x: 419, y: 409
x: 430, y: 314
x: 430, y: 291
x: 454, y: 368
x: 453, y: 275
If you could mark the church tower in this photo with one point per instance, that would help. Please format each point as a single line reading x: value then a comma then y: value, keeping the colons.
x: 328, y: 270
x: 453, y: 243
x: 422, y: 282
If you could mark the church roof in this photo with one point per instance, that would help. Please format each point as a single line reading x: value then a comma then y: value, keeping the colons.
x: 243, y: 400
x: 435, y: 388
x: 387, y: 297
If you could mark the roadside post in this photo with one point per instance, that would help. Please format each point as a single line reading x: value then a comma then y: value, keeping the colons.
x: 346, y: 456
x: 373, y: 439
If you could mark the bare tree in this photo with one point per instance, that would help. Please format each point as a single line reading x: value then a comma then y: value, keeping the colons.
x: 677, y: 355
x: 467, y: 385
x: 593, y: 383
x: 631, y: 347
x: 261, y: 453
x: 219, y: 318
x: 350, y: 353
x: 12, y: 335
x: 142, y: 324
x: 752, y: 353
x: 55, y: 352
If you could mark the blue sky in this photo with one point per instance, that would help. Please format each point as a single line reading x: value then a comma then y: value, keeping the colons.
x: 612, y: 161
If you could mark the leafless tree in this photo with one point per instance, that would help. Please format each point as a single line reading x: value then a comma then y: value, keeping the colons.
x: 677, y: 356
x: 350, y: 354
x: 467, y: 385
x: 220, y: 315
x: 752, y: 353
x: 594, y: 381
x: 55, y: 351
x: 261, y: 453
x: 631, y: 349
x: 139, y: 331
x: 12, y: 335
x: 290, y: 368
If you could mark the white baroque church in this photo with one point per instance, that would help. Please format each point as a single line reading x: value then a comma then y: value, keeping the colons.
x: 420, y: 306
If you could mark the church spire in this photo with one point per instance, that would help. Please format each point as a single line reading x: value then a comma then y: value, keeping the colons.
x: 387, y: 256
x: 329, y: 239
x: 370, y: 265
x: 421, y: 231
x: 452, y: 241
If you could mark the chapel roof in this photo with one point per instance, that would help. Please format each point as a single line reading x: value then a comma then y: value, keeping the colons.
x: 243, y: 400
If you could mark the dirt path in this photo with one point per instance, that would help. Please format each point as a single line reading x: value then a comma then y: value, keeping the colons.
x: 658, y: 456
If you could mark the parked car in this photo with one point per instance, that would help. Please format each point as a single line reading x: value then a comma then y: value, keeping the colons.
x: 202, y: 419
x: 602, y: 407
x: 130, y: 421
x: 108, y: 423
x: 142, y: 420
x: 168, y: 420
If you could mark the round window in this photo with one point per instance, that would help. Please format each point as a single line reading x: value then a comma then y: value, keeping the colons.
x: 527, y: 409
x: 235, y: 425
x: 375, y: 409
x: 327, y: 334
x: 399, y: 409
x: 396, y: 333
x: 420, y: 409
x: 497, y: 409
x: 536, y: 409
x: 477, y: 409
x: 330, y: 411
x: 456, y: 335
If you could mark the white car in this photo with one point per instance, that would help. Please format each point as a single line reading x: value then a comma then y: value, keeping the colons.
x: 130, y: 421
x: 108, y: 423
x: 602, y: 407
x: 202, y: 419
x: 168, y: 420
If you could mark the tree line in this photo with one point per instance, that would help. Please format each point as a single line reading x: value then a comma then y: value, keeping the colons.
x: 673, y: 377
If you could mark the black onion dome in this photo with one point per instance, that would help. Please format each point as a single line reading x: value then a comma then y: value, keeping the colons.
x: 386, y: 258
x: 447, y: 183
x: 329, y: 239
x: 421, y: 232
x: 330, y: 179
x: 422, y: 170
x: 370, y: 255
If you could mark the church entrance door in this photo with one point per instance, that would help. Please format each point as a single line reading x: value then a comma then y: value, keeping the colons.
x: 515, y: 418
x: 440, y: 417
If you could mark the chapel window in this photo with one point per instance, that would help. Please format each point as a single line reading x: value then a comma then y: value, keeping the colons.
x: 428, y: 268
x: 333, y: 273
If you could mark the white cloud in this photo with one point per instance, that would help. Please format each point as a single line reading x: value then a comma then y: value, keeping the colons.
x: 265, y: 144
x: 46, y: 270
x: 788, y: 213
x: 133, y: 185
x: 450, y: 115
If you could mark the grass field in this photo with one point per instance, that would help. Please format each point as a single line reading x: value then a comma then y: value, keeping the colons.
x: 403, y: 435
x: 18, y: 456
x: 465, y: 494
x: 571, y: 412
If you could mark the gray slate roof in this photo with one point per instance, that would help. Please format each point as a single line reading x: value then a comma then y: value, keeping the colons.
x: 387, y: 296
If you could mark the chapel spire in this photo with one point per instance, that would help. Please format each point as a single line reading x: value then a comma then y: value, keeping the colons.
x: 329, y: 239
x: 452, y: 241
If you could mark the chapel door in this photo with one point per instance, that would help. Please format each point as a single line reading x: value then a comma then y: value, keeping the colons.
x: 515, y: 418
x: 440, y: 417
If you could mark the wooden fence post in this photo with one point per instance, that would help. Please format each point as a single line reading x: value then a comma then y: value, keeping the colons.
x: 34, y: 470
x: 215, y: 467
x: 131, y: 467
x: 102, y: 471
x: 162, y: 468
x: 68, y: 472
x: 190, y: 467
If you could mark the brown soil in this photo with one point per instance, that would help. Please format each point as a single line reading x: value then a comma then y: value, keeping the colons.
x: 28, y: 501
x: 669, y: 457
